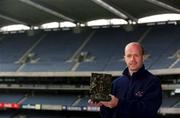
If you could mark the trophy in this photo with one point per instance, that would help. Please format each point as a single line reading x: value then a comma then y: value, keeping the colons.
x: 100, y: 87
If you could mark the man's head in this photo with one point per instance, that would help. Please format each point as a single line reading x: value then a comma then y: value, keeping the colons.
x: 133, y: 55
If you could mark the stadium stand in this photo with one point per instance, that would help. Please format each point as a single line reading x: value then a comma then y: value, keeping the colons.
x: 45, y: 73
x: 103, y: 49
x: 161, y: 43
x: 61, y: 46
x: 170, y: 101
x: 10, y: 97
x: 92, y: 50
x: 50, y: 99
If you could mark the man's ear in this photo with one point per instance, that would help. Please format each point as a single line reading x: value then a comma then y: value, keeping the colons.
x: 124, y: 57
x: 144, y: 57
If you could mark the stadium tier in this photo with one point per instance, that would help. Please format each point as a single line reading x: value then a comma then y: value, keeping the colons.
x: 90, y: 50
x: 31, y: 67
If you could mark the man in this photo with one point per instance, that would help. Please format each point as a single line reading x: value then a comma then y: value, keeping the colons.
x: 137, y: 93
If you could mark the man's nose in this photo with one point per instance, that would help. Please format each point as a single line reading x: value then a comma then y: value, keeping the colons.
x: 132, y: 58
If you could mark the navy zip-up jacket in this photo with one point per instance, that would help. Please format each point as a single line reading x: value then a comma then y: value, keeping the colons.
x: 140, y: 96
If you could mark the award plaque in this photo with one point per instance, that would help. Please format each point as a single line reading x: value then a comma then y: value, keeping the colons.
x: 100, y: 87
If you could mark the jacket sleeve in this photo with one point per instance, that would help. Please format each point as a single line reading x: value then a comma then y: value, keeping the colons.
x: 106, y: 112
x: 148, y: 105
x: 119, y: 87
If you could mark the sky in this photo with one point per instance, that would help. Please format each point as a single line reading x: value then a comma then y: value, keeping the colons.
x: 100, y: 22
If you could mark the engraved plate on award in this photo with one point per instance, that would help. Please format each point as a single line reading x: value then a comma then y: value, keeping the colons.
x: 100, y: 87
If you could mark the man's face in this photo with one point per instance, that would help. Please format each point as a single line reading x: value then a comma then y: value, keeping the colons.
x: 133, y: 57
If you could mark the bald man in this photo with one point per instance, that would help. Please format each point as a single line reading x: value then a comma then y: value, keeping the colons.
x: 137, y: 93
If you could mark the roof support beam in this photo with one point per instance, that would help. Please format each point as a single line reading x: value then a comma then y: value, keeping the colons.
x: 110, y: 8
x: 45, y: 9
x: 12, y: 19
x: 166, y: 6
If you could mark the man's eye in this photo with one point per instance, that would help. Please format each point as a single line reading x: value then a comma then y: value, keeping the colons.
x: 136, y: 55
x: 128, y: 56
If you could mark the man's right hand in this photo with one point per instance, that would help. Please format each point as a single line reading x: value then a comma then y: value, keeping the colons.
x: 110, y: 104
x: 97, y: 104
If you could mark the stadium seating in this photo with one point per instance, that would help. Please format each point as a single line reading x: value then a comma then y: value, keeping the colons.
x: 50, y: 99
x: 10, y: 98
x: 103, y: 48
x: 54, y: 49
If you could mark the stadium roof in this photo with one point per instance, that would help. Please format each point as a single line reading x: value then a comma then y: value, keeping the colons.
x: 38, y: 12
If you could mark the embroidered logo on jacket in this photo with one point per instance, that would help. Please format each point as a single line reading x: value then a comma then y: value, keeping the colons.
x: 139, y: 93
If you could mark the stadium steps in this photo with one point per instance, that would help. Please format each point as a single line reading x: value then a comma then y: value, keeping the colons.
x: 81, y: 47
x: 75, y: 66
x: 76, y: 102
x: 177, y: 104
x: 22, y: 100
x: 144, y: 35
x: 28, y: 51
x: 75, y: 55
x: 177, y: 56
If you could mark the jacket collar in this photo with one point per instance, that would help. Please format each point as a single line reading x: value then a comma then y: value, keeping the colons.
x: 139, y: 74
